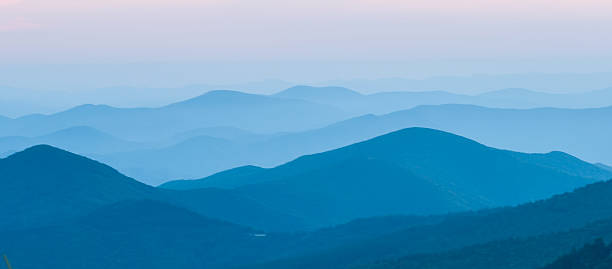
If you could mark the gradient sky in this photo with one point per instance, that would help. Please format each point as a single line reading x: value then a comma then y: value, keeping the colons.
x: 78, y: 45
x: 159, y: 43
x: 76, y: 31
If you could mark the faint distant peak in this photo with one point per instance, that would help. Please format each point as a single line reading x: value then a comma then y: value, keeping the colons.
x: 606, y: 91
x: 220, y: 97
x: 83, y: 130
x: 310, y: 92
x: 510, y: 92
x: 604, y: 166
x: 42, y: 152
x: 91, y: 107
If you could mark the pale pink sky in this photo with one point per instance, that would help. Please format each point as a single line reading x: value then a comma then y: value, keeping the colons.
x: 342, y: 30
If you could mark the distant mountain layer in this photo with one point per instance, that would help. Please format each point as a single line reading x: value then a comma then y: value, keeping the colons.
x: 81, y: 139
x: 203, y: 152
x: 603, y: 166
x: 173, y: 142
x: 257, y: 113
x: 386, y: 102
x: 532, y: 130
x: 412, y: 171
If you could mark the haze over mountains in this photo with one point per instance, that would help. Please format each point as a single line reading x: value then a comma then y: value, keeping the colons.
x: 44, y: 185
x: 310, y: 178
x: 325, y: 134
x: 386, y: 102
x: 224, y: 129
x: 399, y: 173
x: 213, y: 109
x: 60, y: 205
x: 153, y: 85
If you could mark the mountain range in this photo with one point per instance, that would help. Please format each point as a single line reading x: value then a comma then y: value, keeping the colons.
x: 532, y: 130
x: 257, y: 113
x: 399, y: 173
x: 80, y: 139
x: 62, y: 210
x: 44, y: 185
x: 226, y: 129
x: 526, y: 236
x: 387, y: 102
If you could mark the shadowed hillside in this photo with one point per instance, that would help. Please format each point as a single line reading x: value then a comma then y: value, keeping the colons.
x: 44, y: 185
x: 412, y: 171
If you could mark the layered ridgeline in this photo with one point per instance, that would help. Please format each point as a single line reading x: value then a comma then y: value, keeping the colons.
x: 44, y: 185
x: 81, y: 139
x: 533, y: 130
x: 64, y: 210
x: 257, y: 113
x: 411, y: 171
x: 527, y: 130
x: 224, y: 129
x: 159, y: 232
x: 386, y: 102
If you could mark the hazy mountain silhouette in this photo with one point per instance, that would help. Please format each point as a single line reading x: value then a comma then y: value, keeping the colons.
x: 336, y: 96
x: 412, y: 171
x: 251, y: 112
x: 523, y: 98
x: 222, y: 132
x: 187, y: 159
x: 167, y: 130
x: 390, y: 101
x: 485, y: 82
x: 603, y: 166
x: 533, y: 130
x: 80, y: 139
x: 44, y: 185
x: 228, y: 179
x: 383, y: 102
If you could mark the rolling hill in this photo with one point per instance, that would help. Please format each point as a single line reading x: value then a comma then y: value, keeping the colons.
x: 44, y: 185
x: 76, y: 215
x: 532, y: 130
x: 532, y: 234
x: 135, y: 234
x: 525, y: 130
x: 411, y: 171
